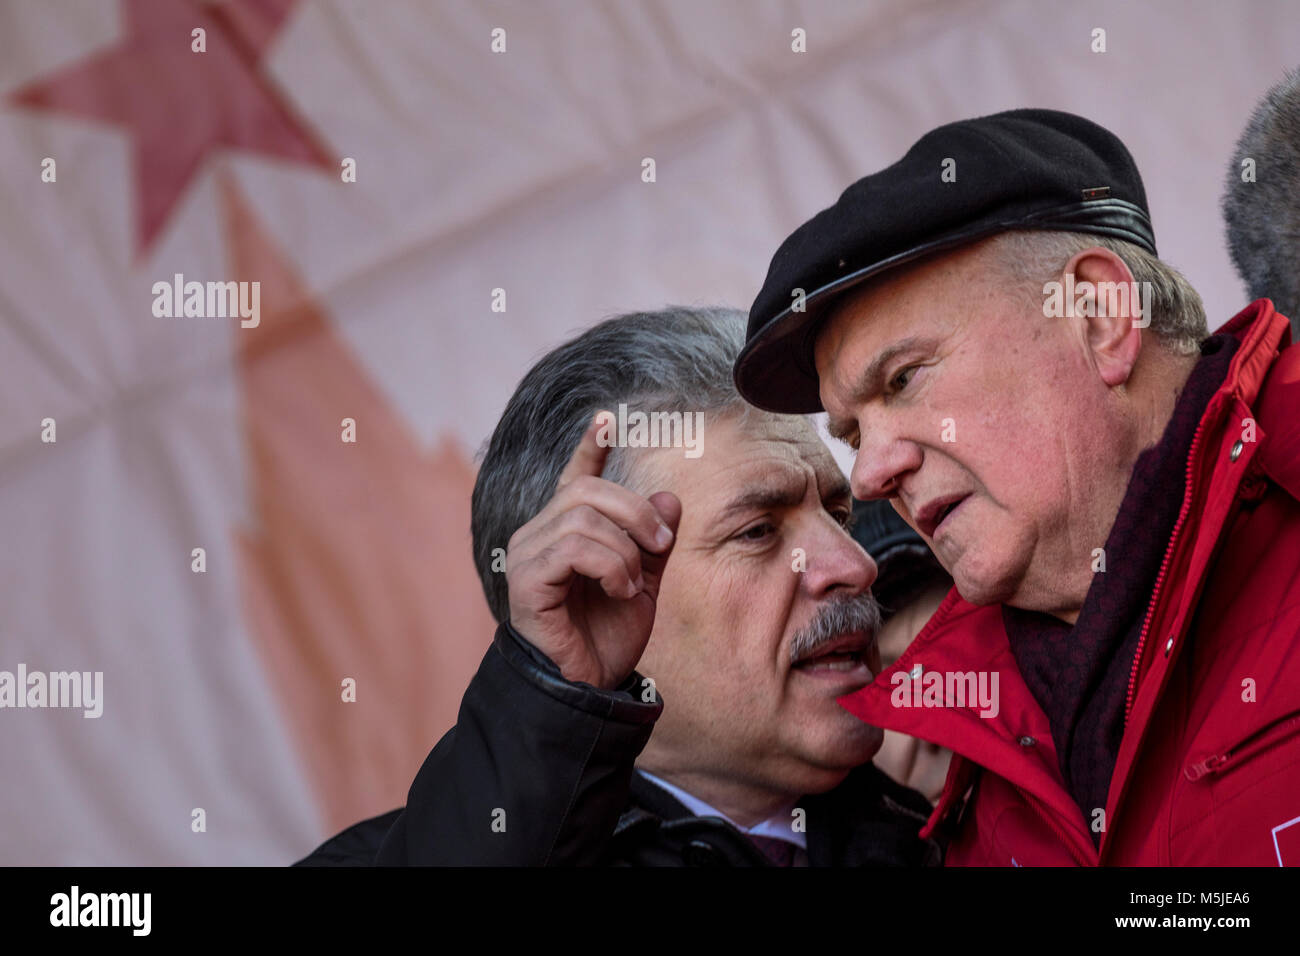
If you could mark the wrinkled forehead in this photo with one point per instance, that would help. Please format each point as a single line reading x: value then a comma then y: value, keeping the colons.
x: 742, y: 452
x: 790, y: 438
x: 923, y: 302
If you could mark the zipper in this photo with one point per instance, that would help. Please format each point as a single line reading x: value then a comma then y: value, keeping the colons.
x: 1164, y: 568
x: 1259, y: 740
x: 1183, y: 511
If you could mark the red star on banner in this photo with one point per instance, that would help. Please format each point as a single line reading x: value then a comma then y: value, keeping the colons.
x: 357, y: 562
x: 180, y: 105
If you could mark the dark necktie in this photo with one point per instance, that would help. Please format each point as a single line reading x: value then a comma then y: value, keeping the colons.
x: 778, y: 852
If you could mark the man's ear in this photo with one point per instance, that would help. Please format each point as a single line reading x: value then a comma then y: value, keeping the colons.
x: 1108, y: 304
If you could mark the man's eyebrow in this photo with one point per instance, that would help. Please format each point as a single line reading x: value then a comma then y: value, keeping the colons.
x: 838, y: 488
x: 869, y: 383
x: 762, y: 499
x: 782, y: 496
x: 839, y: 430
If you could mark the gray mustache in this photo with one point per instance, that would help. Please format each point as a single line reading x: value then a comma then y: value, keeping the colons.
x: 860, y: 613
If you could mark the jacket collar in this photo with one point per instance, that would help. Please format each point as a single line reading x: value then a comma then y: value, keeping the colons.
x: 1276, y: 408
x: 868, y: 820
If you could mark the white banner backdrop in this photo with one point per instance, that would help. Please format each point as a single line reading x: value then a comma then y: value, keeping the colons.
x: 225, y: 735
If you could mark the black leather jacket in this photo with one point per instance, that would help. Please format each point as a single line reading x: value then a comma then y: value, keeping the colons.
x: 539, y: 771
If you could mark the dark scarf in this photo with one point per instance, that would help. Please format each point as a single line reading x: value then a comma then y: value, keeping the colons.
x: 1079, y: 674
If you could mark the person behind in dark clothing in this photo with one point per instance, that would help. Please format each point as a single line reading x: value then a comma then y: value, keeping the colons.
x: 680, y: 607
x: 910, y: 584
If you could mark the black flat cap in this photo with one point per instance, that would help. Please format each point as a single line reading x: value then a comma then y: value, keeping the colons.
x: 1023, y: 169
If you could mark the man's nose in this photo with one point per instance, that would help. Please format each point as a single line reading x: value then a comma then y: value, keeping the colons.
x: 837, y: 563
x: 880, y: 464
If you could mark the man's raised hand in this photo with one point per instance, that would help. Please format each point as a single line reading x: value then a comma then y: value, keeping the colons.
x: 584, y: 574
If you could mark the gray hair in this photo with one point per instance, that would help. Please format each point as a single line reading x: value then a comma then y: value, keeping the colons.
x: 675, y: 359
x: 1263, y: 216
x: 1034, y: 257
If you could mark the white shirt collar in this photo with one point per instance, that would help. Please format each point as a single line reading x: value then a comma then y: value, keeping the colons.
x: 780, y: 825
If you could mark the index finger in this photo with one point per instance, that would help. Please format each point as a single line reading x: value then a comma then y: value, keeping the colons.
x: 589, y: 457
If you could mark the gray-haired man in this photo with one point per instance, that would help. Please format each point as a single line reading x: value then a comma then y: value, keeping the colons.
x: 1115, y: 493
x: 722, y: 569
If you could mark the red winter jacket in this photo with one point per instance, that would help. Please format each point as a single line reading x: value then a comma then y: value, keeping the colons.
x: 1209, y: 766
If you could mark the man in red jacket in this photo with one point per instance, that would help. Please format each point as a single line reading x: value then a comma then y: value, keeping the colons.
x: 1113, y: 490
